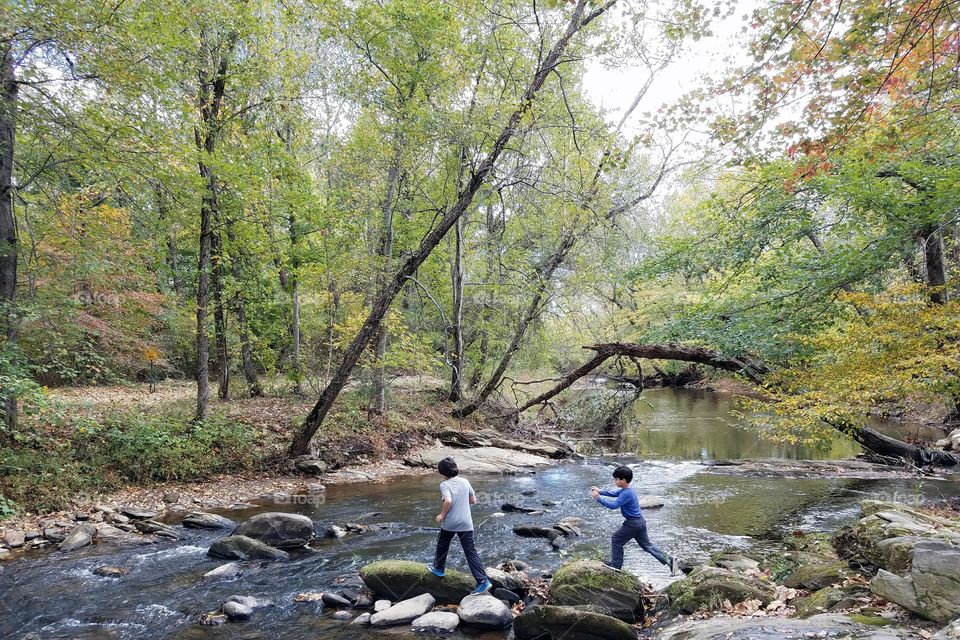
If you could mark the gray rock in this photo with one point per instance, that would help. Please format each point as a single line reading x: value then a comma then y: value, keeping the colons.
x: 135, y: 513
x: 80, y: 536
x: 734, y: 562
x: 485, y: 611
x: 54, y: 535
x: 156, y: 528
x: 513, y: 581
x: 510, y: 597
x: 31, y: 535
x: 105, y: 530
x: 436, y: 622
x: 15, y: 539
x: 117, y: 518
x: 280, y: 530
x: 820, y: 626
x: 650, y: 502
x: 244, y: 548
x: 237, y: 610
x: 482, y: 460
x: 381, y: 605
x: 588, y: 582
x: 336, y: 531
x: 107, y: 571
x: 311, y: 466
x: 363, y: 618
x: 251, y: 601
x: 341, y: 615
x: 932, y: 588
x: 204, y: 520
x: 949, y: 632
x: 224, y: 571
x: 335, y: 600
x: 403, y: 612
x: 707, y: 588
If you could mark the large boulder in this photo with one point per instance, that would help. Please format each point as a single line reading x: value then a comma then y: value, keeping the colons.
x: 708, y: 588
x: 481, y: 460
x: 280, y: 530
x: 931, y: 588
x: 821, y: 626
x: 244, y: 548
x: 485, y: 612
x: 884, y: 520
x: 403, y: 612
x: 80, y: 536
x: 588, y: 582
x: 396, y: 579
x: 569, y: 623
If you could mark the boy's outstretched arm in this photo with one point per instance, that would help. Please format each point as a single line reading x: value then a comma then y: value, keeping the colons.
x: 611, y: 502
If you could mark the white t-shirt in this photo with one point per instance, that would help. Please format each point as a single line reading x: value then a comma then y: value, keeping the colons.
x: 458, y: 490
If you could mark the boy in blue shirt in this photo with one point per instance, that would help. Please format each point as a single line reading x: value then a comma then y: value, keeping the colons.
x: 634, y: 526
x: 455, y: 520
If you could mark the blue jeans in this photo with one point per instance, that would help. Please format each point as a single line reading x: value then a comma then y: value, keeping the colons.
x: 469, y: 550
x: 633, y: 529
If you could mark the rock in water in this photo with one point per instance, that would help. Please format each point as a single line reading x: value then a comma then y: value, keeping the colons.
x: 481, y: 460
x: 244, y: 548
x: 138, y: 514
x: 381, y: 605
x: 510, y: 597
x: 363, y: 618
x: 436, y: 622
x: 79, y: 536
x: 156, y: 528
x: 110, y: 572
x: 814, y: 577
x: 341, y: 615
x: 334, y: 600
x: 569, y: 623
x: 15, y: 539
x: 229, y: 570
x: 651, y: 502
x: 404, y: 612
x: 396, y: 579
x: 280, y: 530
x: 514, y: 581
x: 204, y: 520
x: 588, y: 582
x: 485, y: 611
x: 237, y: 611
x: 708, y: 587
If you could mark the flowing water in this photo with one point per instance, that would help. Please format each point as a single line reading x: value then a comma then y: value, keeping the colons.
x: 56, y: 595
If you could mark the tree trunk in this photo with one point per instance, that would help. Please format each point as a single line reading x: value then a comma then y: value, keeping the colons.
x: 203, y: 293
x: 239, y: 269
x: 212, y: 76
x: 301, y: 441
x: 456, y: 319
x: 8, y: 226
x: 544, y: 275
x: 378, y: 398
x: 220, y: 317
x: 935, y: 264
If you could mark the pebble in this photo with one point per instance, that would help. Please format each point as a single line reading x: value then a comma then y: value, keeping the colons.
x: 381, y: 605
x: 341, y: 615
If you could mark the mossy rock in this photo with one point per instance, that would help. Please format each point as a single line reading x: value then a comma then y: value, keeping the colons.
x: 816, y: 576
x: 706, y: 588
x: 569, y: 623
x: 402, y: 579
x: 820, y: 544
x: 817, y: 602
x: 588, y: 582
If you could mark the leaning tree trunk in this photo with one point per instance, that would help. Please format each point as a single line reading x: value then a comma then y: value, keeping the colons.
x: 8, y: 226
x: 301, y: 441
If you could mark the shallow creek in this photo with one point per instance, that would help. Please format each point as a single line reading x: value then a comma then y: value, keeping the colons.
x: 671, y: 440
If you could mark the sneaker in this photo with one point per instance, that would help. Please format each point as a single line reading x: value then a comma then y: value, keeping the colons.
x: 483, y: 587
x: 437, y: 572
x: 674, y: 566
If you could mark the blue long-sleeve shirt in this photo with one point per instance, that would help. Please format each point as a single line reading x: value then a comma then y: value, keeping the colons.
x: 624, y: 499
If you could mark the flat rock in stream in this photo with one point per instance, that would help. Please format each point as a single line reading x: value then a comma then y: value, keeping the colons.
x: 397, y: 579
x: 779, y: 468
x: 244, y: 548
x: 403, y: 612
x: 820, y: 626
x: 204, y: 520
x: 481, y: 460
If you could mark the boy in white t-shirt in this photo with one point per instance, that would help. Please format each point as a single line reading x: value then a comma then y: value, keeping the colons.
x: 455, y: 520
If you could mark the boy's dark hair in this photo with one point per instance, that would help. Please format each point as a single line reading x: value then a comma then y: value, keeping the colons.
x: 448, y: 468
x: 623, y: 473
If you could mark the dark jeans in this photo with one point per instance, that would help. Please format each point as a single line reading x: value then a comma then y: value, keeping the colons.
x: 469, y: 550
x: 633, y: 529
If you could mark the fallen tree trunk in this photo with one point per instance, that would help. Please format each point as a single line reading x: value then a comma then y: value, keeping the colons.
x: 868, y: 438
